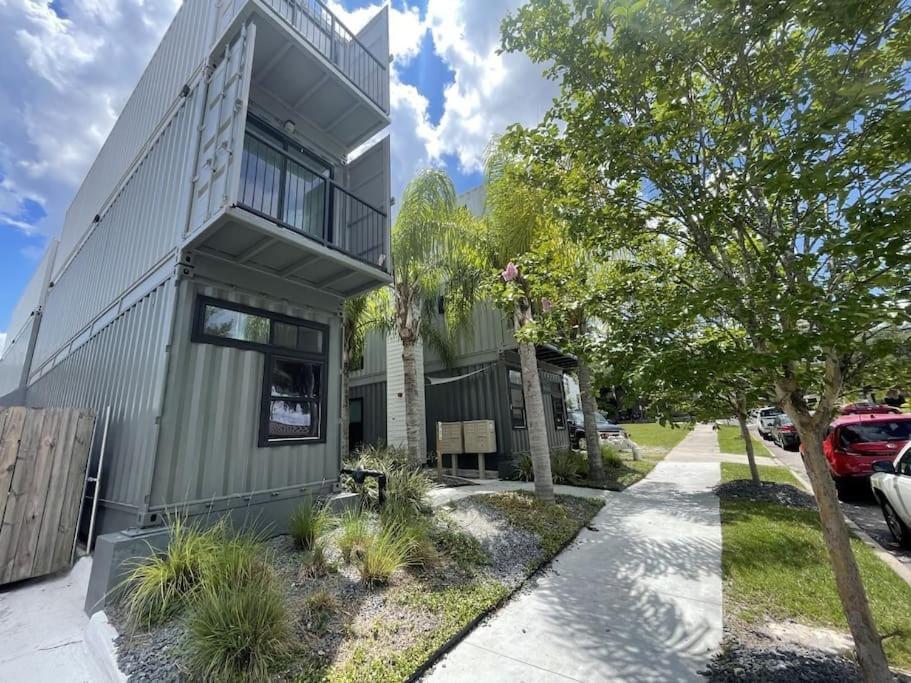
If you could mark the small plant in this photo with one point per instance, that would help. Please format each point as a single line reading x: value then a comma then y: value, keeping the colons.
x: 309, y: 522
x: 385, y: 552
x: 238, y: 633
x: 157, y: 587
x: 354, y: 529
x: 406, y: 484
x: 611, y: 456
x: 464, y: 549
x: 316, y: 563
x: 566, y: 467
x: 318, y: 610
x: 525, y: 469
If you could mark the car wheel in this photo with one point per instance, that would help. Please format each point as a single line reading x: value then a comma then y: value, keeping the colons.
x: 897, y: 527
x: 843, y: 487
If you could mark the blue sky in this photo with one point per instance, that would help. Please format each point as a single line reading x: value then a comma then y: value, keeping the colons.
x: 60, y: 96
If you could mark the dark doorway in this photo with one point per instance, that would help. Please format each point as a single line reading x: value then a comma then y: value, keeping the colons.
x: 355, y: 423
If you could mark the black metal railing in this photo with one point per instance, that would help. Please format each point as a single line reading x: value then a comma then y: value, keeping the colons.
x: 277, y: 186
x: 322, y: 29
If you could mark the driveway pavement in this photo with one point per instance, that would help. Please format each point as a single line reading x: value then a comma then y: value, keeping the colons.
x: 635, y: 598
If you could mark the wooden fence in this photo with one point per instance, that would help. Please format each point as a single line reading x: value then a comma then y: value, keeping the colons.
x: 43, y: 458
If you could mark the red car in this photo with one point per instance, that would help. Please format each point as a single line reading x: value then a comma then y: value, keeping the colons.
x: 855, y: 442
x: 869, y: 409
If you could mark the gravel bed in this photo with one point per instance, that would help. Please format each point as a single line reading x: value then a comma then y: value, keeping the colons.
x: 779, y: 664
x: 151, y: 656
x: 766, y: 492
x: 511, y: 550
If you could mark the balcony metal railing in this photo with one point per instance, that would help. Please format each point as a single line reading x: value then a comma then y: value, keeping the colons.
x: 322, y: 29
x: 279, y: 187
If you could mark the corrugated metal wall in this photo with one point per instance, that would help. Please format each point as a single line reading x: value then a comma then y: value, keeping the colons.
x: 480, y: 397
x: 487, y: 336
x: 551, y: 385
x: 14, y: 358
x: 208, y: 447
x: 374, y: 360
x: 140, y: 228
x: 121, y: 367
x: 374, y: 397
x: 33, y: 295
x: 181, y: 53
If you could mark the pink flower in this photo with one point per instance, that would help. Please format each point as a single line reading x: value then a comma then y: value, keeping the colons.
x: 511, y: 272
x: 546, y: 305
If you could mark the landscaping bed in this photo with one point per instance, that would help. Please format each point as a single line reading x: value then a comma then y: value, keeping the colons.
x: 368, y: 596
x: 570, y: 468
x: 777, y: 571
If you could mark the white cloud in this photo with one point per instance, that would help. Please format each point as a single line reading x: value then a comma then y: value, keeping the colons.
x: 63, y: 82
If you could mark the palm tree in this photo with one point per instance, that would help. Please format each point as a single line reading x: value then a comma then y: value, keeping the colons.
x: 514, y: 224
x: 433, y: 259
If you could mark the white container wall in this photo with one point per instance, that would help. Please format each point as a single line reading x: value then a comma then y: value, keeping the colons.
x: 181, y: 54
x: 33, y: 296
x: 141, y: 228
x: 15, y: 357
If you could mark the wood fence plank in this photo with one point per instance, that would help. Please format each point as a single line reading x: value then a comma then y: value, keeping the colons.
x: 75, y: 480
x: 9, y: 448
x: 34, y: 499
x: 23, y: 478
x: 47, y: 536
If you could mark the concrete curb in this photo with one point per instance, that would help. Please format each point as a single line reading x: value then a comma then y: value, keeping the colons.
x: 867, y: 540
x: 99, y: 641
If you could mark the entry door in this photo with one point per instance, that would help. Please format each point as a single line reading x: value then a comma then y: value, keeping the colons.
x: 355, y: 424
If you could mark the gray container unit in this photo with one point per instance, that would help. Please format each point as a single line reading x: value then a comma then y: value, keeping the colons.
x: 367, y: 394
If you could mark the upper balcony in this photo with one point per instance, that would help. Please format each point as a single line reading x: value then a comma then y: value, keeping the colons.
x: 308, y: 67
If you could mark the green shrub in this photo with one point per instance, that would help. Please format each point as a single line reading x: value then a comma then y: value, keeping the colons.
x: 385, y: 552
x: 353, y: 532
x: 239, y: 633
x: 318, y: 610
x: 525, y: 469
x: 611, y: 456
x: 309, y: 522
x: 157, y: 587
x: 406, y: 484
x: 463, y: 548
x: 566, y: 467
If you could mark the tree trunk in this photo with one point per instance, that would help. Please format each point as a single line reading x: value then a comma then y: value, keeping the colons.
x: 537, y: 425
x: 412, y: 405
x: 747, y: 441
x: 344, y: 446
x: 592, y: 441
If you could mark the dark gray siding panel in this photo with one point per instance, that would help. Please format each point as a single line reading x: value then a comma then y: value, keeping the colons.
x: 374, y: 397
x: 121, y: 367
x: 478, y: 397
x: 551, y: 385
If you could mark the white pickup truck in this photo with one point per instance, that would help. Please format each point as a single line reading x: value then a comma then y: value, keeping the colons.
x: 891, y: 482
x: 765, y: 419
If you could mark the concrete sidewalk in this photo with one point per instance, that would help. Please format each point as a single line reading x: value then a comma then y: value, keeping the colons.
x: 639, y: 599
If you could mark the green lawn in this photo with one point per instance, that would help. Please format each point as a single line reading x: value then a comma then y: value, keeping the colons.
x: 654, y: 435
x: 776, y: 567
x: 781, y: 475
x: 730, y: 441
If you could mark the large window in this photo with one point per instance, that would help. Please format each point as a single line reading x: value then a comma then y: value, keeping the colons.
x: 516, y: 400
x: 294, y: 383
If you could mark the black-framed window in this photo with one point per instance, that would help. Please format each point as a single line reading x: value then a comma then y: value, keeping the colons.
x: 516, y: 399
x: 294, y: 388
x: 559, y: 412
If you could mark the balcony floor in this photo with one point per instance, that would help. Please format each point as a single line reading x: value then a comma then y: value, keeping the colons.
x: 241, y: 238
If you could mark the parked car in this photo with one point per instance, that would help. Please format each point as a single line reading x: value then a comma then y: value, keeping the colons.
x: 865, y: 408
x: 855, y: 442
x: 765, y: 418
x: 784, y: 433
x: 891, y: 482
x: 607, y: 431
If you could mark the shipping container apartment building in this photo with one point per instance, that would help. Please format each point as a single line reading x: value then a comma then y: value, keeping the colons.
x: 197, y: 283
x: 483, y: 382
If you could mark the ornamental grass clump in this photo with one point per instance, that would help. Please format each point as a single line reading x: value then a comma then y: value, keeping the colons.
x: 566, y: 467
x: 406, y: 484
x: 309, y: 522
x: 158, y: 587
x: 385, y: 551
x: 354, y: 528
x: 239, y: 633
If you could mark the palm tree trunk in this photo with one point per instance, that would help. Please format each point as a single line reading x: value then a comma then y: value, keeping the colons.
x: 536, y: 419
x: 592, y: 441
x: 412, y: 404
x: 747, y: 440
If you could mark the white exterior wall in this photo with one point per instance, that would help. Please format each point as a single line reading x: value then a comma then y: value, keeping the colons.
x: 395, y: 392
